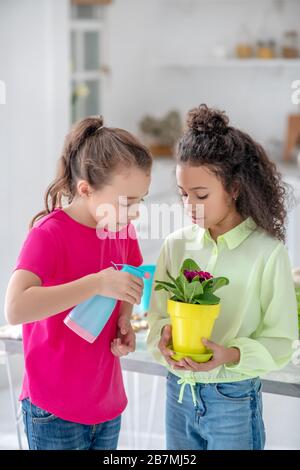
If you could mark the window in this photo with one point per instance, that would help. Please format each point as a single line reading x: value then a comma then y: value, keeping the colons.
x: 87, y: 26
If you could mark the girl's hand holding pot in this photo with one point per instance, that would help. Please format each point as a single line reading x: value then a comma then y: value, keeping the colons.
x: 163, y: 346
x: 221, y: 355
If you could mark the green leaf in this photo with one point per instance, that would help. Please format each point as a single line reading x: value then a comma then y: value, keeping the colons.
x: 211, y: 285
x: 193, y: 290
x: 207, y: 299
x: 207, y: 284
x: 182, y: 283
x: 159, y: 287
x: 189, y: 265
x: 171, y: 277
x: 189, y: 293
x: 198, y: 288
x: 178, y: 283
x: 164, y: 283
x: 188, y: 289
x: 169, y: 288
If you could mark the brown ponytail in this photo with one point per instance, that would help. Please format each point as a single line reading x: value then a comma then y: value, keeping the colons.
x: 92, y: 152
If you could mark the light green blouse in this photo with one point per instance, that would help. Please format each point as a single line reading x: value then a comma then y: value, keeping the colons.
x: 258, y: 308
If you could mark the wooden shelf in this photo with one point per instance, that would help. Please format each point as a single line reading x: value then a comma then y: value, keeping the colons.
x: 231, y: 63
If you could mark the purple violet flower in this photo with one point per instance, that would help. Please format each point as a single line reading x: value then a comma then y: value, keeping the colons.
x: 203, y: 275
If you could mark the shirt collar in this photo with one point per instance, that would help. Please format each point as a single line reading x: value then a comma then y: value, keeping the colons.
x: 235, y: 236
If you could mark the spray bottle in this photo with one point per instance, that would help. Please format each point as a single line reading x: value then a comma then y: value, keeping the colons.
x: 88, y: 318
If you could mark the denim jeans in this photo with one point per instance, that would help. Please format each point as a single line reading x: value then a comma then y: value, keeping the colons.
x: 45, y: 431
x: 225, y: 416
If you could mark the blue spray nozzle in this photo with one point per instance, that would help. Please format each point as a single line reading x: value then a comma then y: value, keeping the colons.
x: 133, y: 270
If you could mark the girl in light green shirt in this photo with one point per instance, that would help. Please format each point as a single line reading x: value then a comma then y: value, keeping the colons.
x: 239, y: 235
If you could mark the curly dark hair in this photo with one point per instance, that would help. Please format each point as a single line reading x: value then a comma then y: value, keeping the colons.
x: 238, y: 161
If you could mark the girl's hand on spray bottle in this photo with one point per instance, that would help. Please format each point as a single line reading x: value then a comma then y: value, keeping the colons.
x: 120, y: 285
x: 125, y: 341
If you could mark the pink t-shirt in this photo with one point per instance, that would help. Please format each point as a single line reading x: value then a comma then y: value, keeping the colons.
x: 64, y: 374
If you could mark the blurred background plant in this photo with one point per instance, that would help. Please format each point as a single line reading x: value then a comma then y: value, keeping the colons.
x: 161, y: 134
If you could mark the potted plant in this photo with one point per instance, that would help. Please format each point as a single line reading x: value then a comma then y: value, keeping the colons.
x: 161, y: 135
x: 193, y: 309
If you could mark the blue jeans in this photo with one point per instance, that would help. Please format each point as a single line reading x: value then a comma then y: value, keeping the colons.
x: 46, y: 431
x: 226, y: 416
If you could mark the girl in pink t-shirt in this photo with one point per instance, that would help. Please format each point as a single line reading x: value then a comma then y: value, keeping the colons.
x: 73, y: 394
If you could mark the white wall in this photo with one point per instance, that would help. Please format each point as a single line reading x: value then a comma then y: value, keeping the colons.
x: 34, y: 65
x: 144, y: 35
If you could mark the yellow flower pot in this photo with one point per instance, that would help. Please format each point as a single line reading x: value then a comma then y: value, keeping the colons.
x: 191, y: 323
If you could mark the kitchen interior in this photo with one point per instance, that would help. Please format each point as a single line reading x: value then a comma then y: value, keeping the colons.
x: 142, y: 65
